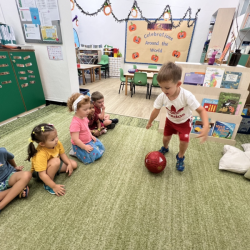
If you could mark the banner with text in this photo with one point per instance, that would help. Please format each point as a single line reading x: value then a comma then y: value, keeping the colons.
x: 157, y: 43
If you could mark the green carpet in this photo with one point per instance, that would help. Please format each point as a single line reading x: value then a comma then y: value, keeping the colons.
x: 115, y: 203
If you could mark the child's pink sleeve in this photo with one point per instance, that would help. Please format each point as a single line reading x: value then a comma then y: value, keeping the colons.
x: 74, y: 127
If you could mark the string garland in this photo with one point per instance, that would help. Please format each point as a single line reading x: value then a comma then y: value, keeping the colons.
x: 135, y: 6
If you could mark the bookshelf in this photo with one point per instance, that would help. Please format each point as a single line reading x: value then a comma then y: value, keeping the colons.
x: 220, y: 25
x: 201, y: 92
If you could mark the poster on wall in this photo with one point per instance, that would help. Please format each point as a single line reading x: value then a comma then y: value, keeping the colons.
x: 157, y: 43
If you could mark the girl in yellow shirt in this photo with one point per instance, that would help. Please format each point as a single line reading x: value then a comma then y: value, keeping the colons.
x: 49, y: 158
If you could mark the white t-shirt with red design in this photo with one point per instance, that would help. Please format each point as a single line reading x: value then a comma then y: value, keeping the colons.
x: 180, y: 109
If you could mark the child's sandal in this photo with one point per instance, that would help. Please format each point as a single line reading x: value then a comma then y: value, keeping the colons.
x: 26, y: 190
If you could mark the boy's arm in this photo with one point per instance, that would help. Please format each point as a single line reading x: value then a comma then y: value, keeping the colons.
x: 13, y: 163
x: 98, y: 125
x: 102, y: 114
x: 204, y: 131
x: 153, y: 115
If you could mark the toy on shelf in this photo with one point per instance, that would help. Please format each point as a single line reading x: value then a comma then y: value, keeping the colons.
x: 212, y: 59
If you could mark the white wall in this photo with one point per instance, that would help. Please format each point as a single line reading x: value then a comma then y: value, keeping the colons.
x: 59, y: 78
x: 103, y: 29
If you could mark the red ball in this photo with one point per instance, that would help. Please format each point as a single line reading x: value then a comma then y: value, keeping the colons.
x: 155, y: 162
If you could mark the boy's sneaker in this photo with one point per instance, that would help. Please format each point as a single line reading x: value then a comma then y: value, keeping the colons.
x: 111, y: 126
x: 114, y: 120
x: 163, y: 150
x: 47, y: 188
x: 180, y: 165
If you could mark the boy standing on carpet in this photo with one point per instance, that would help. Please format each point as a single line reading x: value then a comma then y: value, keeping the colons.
x: 179, y: 104
x: 98, y: 100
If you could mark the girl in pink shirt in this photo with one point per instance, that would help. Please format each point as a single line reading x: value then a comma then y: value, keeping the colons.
x: 86, y: 147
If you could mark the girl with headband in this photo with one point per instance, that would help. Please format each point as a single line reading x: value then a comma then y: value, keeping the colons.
x: 86, y: 147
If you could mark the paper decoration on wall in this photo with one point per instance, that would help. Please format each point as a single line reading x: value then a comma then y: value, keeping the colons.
x: 107, y: 4
x: 72, y: 4
x: 134, y: 12
x: 76, y: 39
x: 55, y: 52
x: 167, y: 15
x: 157, y: 43
x: 49, y: 33
x: 107, y: 9
x: 75, y: 19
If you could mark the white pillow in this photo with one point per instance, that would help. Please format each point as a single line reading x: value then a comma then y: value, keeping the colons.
x: 247, y: 174
x: 246, y: 146
x: 234, y: 160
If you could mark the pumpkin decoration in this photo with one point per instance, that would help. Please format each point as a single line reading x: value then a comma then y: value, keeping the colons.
x: 137, y: 39
x: 181, y: 35
x: 107, y: 9
x: 132, y: 27
x: 135, y: 55
x: 176, y: 53
x: 134, y: 12
x: 167, y: 15
x: 73, y: 4
x: 154, y: 58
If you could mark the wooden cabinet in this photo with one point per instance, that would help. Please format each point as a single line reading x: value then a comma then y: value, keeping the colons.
x: 20, y: 85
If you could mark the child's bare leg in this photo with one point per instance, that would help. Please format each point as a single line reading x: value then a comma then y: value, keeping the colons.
x: 64, y: 166
x: 166, y: 140
x: 107, y: 117
x: 53, y: 166
x: 183, y: 147
x: 18, y: 181
x: 107, y: 122
x: 3, y: 194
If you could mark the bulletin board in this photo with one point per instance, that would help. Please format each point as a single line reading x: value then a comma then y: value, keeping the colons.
x: 157, y: 43
x: 40, y: 21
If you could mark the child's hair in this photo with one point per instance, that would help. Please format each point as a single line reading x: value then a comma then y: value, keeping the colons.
x: 71, y: 100
x: 38, y: 134
x: 169, y: 72
x: 96, y: 96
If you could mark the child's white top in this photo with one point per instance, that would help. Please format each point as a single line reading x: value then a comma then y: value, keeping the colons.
x: 180, y: 109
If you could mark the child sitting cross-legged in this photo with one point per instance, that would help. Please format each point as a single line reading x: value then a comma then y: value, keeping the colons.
x: 98, y: 100
x: 86, y: 147
x: 49, y: 158
x: 95, y: 125
x: 13, y: 181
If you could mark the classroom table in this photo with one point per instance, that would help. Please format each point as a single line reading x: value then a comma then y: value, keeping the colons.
x: 130, y: 76
x: 148, y: 70
x: 91, y: 68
